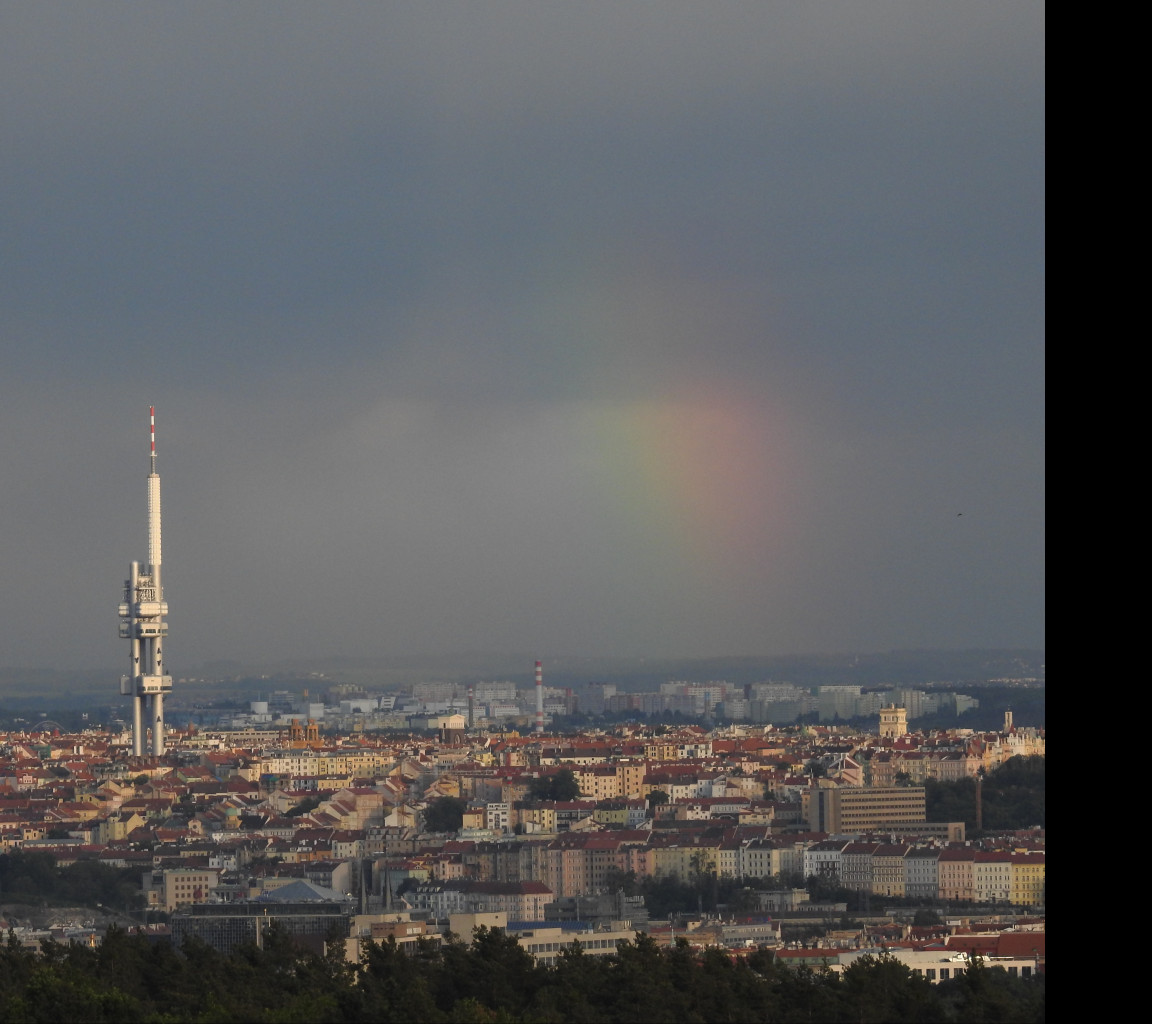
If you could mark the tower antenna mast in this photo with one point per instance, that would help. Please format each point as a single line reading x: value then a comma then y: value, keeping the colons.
x: 143, y: 625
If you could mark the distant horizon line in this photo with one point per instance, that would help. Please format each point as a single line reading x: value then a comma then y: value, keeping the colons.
x: 407, y: 660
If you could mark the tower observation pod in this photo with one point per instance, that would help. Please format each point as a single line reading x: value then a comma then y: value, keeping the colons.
x: 142, y: 613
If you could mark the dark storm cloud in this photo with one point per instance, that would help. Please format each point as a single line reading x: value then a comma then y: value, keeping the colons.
x: 410, y: 284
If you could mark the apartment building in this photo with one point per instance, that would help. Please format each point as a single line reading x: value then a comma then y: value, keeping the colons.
x: 181, y: 887
x: 992, y: 877
x: 955, y: 872
x: 855, y: 810
x: 889, y: 871
x: 922, y: 873
x: 1027, y: 879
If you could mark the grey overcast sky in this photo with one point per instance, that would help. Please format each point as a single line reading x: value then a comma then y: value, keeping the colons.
x: 610, y: 328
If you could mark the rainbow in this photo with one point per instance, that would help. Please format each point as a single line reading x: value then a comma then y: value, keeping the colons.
x: 705, y: 471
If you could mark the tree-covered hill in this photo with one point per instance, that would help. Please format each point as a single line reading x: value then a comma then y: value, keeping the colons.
x: 1012, y: 797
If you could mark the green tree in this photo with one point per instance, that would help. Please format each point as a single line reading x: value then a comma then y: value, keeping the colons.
x: 643, y: 989
x: 656, y: 798
x: 309, y: 803
x: 395, y: 985
x: 983, y: 993
x: 564, y: 785
x: 1012, y: 796
x: 827, y: 889
x: 504, y: 971
x: 444, y: 814
x: 561, y: 786
x: 616, y: 880
x: 491, y: 979
x: 879, y: 988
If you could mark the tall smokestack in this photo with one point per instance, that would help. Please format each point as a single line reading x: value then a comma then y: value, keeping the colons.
x: 980, y: 799
x: 539, y: 698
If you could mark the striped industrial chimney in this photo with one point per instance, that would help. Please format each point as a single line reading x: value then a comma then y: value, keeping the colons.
x: 539, y: 699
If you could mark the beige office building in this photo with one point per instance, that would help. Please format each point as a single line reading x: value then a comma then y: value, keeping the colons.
x: 851, y: 810
x: 183, y: 886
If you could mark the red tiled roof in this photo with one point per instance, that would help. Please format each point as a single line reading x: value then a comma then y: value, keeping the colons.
x: 1020, y: 944
x: 984, y: 945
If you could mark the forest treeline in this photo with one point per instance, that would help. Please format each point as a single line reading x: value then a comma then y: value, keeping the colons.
x: 132, y: 978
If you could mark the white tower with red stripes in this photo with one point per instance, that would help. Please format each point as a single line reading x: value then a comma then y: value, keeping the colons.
x: 539, y: 698
x: 142, y: 624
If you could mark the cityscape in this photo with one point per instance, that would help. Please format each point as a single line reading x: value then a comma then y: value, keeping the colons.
x: 343, y: 821
x: 815, y: 824
x: 352, y: 819
x: 600, y: 575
